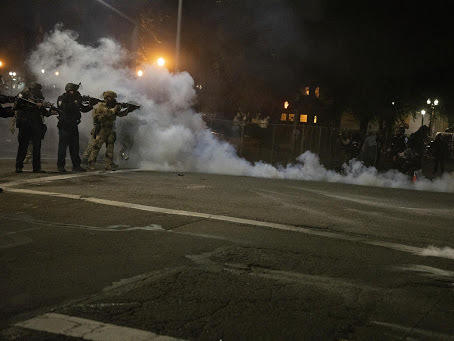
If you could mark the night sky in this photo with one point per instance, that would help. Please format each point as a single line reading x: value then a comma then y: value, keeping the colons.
x: 253, y: 53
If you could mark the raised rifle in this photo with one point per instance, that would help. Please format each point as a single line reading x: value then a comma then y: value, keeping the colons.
x: 51, y: 108
x: 129, y: 106
x: 91, y: 101
x: 7, y: 99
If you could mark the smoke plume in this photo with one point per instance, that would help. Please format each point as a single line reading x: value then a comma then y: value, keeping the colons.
x: 166, y: 134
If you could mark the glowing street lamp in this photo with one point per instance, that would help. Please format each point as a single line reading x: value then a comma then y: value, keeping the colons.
x: 1, y: 63
x: 43, y: 71
x: 432, y: 106
x: 161, y: 61
x: 57, y: 73
x: 140, y: 73
x: 423, y: 112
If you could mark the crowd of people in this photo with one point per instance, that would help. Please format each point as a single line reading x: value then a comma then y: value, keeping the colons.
x: 406, y: 153
x: 29, y: 108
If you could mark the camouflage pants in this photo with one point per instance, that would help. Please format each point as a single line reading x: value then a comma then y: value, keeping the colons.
x: 88, y: 150
x: 28, y: 157
x: 105, y: 136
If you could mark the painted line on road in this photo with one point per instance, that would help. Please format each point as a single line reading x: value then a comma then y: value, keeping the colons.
x: 51, y: 178
x: 283, y: 227
x: 409, y: 331
x: 87, y: 329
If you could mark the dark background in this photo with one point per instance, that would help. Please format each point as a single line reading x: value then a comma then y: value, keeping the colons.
x: 254, y: 54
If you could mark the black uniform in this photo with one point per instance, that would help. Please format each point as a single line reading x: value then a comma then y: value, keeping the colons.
x: 8, y: 111
x: 440, y: 151
x: 29, y: 121
x: 70, y: 105
x: 417, y: 142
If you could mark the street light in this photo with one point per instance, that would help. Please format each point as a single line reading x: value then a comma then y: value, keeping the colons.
x: 1, y: 63
x: 161, y: 61
x: 43, y: 71
x: 423, y: 112
x: 177, y: 50
x: 57, y: 73
x: 432, y: 106
x: 140, y: 73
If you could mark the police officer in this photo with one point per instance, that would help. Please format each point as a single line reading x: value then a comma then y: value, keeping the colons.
x: 6, y: 111
x: 104, y: 116
x: 70, y: 107
x: 30, y: 109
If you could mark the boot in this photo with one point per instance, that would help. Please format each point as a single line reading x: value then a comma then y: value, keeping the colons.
x: 111, y: 167
x: 91, y: 166
x: 79, y: 169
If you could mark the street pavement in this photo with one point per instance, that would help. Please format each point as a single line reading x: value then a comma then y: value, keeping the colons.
x: 215, y: 257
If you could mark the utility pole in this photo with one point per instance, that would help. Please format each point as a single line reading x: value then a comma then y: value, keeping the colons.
x: 177, y: 53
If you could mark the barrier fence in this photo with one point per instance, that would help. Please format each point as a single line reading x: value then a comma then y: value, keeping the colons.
x: 280, y: 143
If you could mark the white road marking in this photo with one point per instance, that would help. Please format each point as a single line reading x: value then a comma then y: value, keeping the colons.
x: 51, y: 178
x: 414, y: 331
x: 47, y: 179
x: 373, y: 202
x: 88, y: 329
x: 428, y: 271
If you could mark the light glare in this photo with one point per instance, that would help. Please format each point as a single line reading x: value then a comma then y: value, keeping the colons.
x: 161, y: 61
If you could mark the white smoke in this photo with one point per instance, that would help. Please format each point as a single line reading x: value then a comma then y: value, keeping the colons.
x: 168, y: 134
x: 433, y: 251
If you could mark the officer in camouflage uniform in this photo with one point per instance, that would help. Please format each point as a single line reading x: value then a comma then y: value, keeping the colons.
x: 104, y: 117
x: 90, y: 144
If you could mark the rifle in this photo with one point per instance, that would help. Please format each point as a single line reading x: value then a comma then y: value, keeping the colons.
x: 129, y: 106
x: 93, y: 101
x: 51, y: 108
x: 7, y: 99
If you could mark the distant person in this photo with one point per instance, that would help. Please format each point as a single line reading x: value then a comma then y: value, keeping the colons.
x: 369, y: 150
x: 6, y: 112
x: 417, y: 143
x: 440, y: 152
x: 398, y: 143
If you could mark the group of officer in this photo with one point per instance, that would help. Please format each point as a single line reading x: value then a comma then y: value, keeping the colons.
x: 29, y: 109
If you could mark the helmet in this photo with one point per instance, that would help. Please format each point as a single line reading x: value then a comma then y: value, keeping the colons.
x: 110, y: 94
x: 71, y: 86
x: 35, y: 86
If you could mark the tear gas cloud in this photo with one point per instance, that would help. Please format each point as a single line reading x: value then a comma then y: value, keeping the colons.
x: 166, y: 133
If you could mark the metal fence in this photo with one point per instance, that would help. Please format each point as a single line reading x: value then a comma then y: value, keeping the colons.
x: 280, y: 143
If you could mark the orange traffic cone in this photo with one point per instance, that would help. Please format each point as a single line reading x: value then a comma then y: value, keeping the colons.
x: 414, y: 178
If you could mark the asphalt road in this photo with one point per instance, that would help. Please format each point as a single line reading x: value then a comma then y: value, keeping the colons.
x: 210, y: 257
